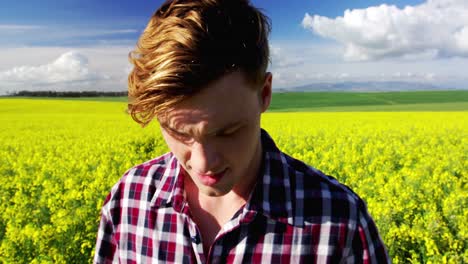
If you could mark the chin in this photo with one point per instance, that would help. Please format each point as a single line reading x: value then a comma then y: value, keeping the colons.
x: 212, y: 192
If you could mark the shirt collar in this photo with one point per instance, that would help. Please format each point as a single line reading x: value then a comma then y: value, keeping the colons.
x: 271, y: 195
x: 169, y: 187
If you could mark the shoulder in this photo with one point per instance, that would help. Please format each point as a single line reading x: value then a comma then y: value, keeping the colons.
x: 149, y: 171
x: 322, y: 197
x: 341, y: 214
x: 304, y: 195
x: 139, y: 183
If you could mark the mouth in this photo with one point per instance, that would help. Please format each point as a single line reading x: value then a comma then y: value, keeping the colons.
x: 212, y: 179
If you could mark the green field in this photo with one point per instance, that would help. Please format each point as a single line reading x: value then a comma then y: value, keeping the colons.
x: 352, y: 101
x: 59, y: 159
x: 371, y: 101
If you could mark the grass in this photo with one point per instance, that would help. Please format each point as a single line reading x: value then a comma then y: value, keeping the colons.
x: 345, y: 101
x: 432, y: 107
x: 370, y: 100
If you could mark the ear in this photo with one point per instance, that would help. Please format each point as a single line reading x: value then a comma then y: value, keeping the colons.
x: 266, y: 92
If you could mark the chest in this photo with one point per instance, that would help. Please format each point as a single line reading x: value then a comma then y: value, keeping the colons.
x: 174, y: 238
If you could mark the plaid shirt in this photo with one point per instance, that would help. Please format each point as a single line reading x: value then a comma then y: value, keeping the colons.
x: 295, y: 214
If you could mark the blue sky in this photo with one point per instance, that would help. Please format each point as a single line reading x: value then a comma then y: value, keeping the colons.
x: 71, y: 44
x: 132, y: 15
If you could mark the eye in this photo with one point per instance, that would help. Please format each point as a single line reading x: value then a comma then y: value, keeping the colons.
x: 178, y: 135
x: 228, y: 132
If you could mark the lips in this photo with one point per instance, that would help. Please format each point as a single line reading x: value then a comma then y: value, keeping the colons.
x: 211, y: 179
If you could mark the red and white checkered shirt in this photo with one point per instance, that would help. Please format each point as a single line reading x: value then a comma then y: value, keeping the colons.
x: 295, y: 214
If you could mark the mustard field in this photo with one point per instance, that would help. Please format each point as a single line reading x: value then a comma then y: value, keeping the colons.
x: 59, y: 159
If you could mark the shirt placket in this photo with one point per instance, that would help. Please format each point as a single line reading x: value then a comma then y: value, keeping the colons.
x: 195, y: 235
x: 216, y: 249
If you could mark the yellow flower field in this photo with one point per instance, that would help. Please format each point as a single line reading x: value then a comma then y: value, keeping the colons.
x: 59, y: 159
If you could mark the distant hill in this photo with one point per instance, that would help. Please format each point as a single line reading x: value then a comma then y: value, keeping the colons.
x: 68, y: 94
x: 362, y: 87
x: 370, y: 86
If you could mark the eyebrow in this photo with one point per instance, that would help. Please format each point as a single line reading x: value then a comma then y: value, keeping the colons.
x: 229, y: 126
x: 215, y: 131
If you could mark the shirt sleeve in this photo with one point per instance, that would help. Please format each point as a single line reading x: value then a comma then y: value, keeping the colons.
x: 367, y: 245
x: 106, y: 245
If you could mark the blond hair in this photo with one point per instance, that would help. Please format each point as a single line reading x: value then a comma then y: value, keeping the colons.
x: 188, y: 44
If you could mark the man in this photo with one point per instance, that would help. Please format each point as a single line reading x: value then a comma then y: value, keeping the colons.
x: 225, y: 193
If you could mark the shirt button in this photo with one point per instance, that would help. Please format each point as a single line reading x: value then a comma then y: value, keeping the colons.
x: 195, y: 239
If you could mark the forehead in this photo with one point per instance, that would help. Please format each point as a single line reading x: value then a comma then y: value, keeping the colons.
x: 229, y: 99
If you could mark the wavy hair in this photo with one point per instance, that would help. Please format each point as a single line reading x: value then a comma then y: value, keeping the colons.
x: 190, y: 43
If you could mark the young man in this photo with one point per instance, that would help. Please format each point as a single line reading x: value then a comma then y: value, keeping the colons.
x: 225, y: 193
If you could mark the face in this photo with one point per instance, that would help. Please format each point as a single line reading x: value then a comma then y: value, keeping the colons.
x: 215, y: 134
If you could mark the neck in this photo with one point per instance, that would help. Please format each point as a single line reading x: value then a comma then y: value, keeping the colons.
x: 211, y: 213
x: 215, y: 205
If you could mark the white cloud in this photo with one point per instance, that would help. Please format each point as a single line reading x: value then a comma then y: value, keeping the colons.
x: 105, y: 68
x: 69, y: 67
x: 117, y: 31
x: 279, y: 59
x: 64, y: 31
x: 296, y: 54
x: 17, y: 28
x: 14, y: 35
x: 91, y: 68
x: 321, y: 63
x: 436, y: 28
x: 66, y: 71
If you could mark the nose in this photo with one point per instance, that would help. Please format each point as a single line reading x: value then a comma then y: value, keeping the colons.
x: 204, y: 158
